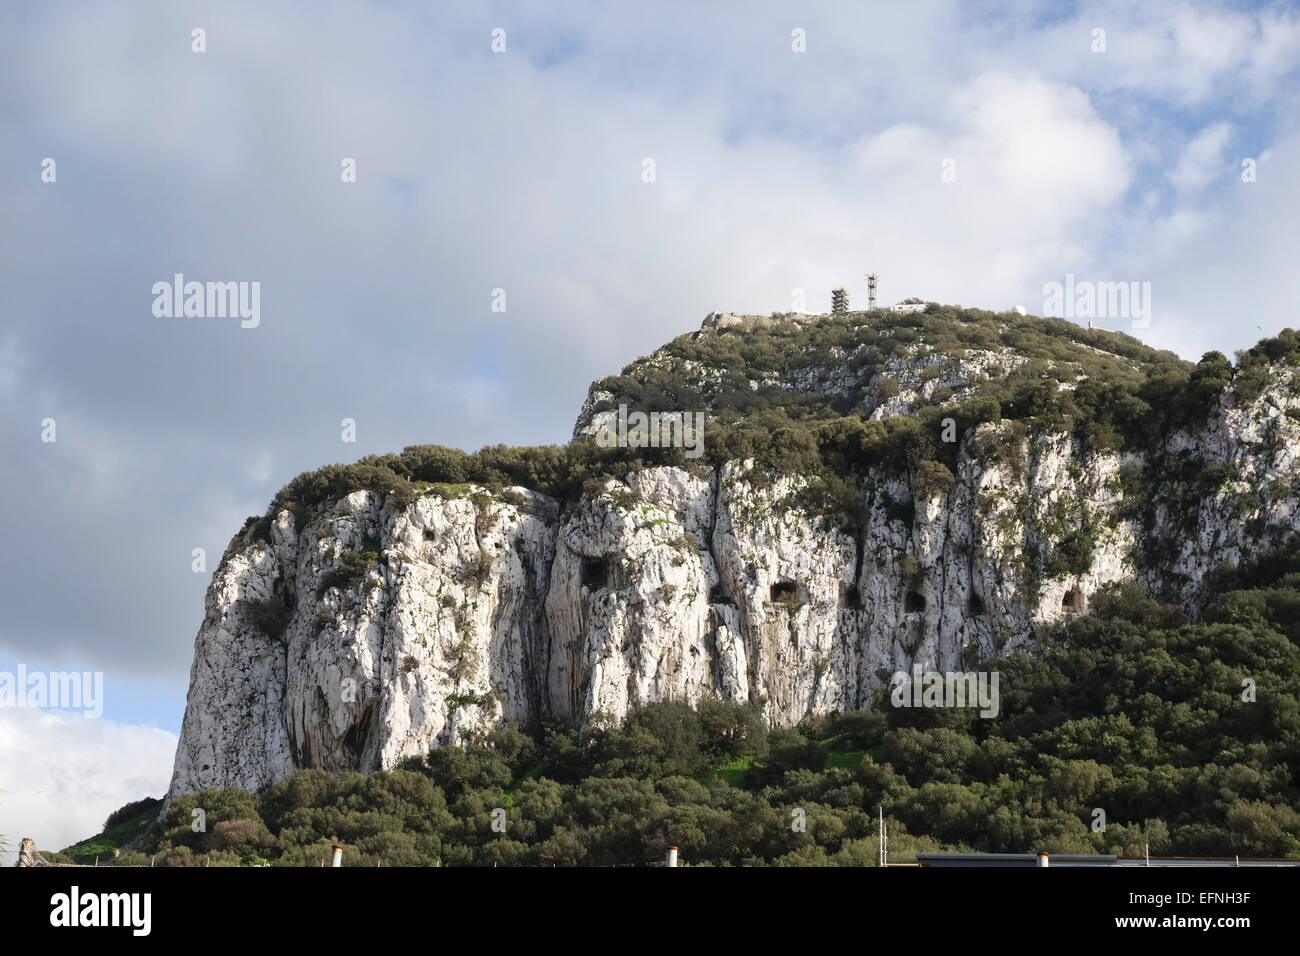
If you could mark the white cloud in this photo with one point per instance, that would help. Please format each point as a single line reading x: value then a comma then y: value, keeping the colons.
x: 1275, y: 52
x: 1221, y: 264
x: 1208, y: 44
x: 1052, y: 160
x: 1204, y: 158
x: 63, y: 774
x: 1167, y: 50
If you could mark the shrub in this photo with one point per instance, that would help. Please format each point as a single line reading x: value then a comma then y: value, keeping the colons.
x: 478, y: 569
x: 858, y: 729
x: 131, y: 810
x: 933, y: 478
x: 270, y: 617
x: 788, y: 749
x: 350, y: 572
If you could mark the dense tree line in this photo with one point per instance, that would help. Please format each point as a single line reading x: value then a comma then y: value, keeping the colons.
x: 1186, y: 736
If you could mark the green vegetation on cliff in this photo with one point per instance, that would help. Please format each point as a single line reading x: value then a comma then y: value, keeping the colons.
x: 1107, y: 389
x: 797, y: 397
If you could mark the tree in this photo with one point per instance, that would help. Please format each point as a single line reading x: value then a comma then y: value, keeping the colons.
x: 730, y: 729
x: 788, y: 749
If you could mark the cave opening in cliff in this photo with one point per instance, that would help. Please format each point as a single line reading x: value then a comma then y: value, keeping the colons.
x: 976, y: 605
x: 594, y: 572
x: 784, y: 592
x: 850, y: 596
x: 719, y: 596
x: 1072, y: 602
x: 914, y: 602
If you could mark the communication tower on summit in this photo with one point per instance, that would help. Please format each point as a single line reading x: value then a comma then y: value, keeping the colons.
x: 839, y: 301
x: 871, y: 290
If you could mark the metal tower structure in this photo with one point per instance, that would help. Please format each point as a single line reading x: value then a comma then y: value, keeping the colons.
x: 871, y: 290
x: 884, y: 840
x: 839, y: 301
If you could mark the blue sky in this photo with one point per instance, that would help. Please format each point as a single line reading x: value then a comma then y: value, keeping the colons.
x: 776, y: 171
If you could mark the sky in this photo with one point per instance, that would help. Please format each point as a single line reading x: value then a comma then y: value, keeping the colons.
x: 611, y: 173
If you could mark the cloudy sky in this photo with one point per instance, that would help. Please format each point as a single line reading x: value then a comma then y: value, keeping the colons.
x: 792, y: 149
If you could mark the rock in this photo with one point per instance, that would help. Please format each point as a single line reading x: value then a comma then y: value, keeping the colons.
x: 480, y: 607
x: 28, y: 855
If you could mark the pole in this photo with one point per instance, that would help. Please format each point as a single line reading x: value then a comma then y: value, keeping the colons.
x: 884, y: 839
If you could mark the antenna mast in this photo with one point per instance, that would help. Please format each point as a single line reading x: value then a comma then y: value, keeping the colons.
x: 871, y: 290
x: 884, y: 840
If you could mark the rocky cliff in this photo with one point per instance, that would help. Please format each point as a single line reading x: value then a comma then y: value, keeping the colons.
x: 373, y: 626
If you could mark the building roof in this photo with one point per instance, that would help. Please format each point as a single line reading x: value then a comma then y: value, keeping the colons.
x: 1090, y: 859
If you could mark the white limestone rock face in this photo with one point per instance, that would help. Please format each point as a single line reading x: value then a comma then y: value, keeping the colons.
x: 375, y: 632
x: 1247, y: 456
x: 438, y: 637
x: 234, y: 734
x: 628, y: 603
x: 786, y: 572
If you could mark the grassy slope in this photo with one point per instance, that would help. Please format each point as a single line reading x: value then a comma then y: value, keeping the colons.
x: 103, y: 844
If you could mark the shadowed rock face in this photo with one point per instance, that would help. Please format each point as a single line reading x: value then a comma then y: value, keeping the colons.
x: 677, y: 585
